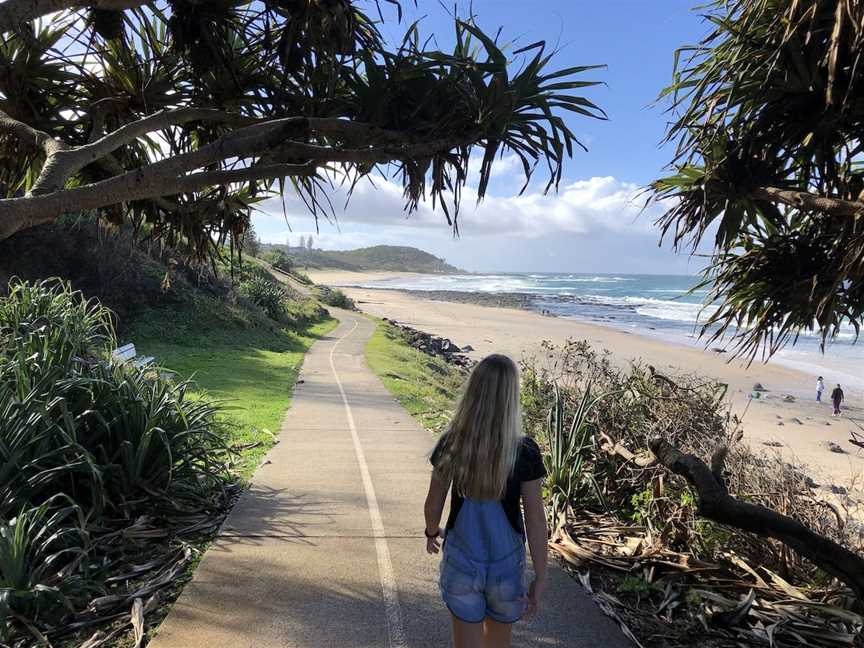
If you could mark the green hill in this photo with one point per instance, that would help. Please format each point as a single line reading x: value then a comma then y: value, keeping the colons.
x: 391, y: 258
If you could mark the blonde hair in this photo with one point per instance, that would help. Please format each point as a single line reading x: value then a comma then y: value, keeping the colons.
x: 479, y: 450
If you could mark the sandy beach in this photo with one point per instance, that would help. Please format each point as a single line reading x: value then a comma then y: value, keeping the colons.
x: 803, y: 427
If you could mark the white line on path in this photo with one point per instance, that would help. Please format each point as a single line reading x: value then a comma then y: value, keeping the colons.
x: 395, y: 630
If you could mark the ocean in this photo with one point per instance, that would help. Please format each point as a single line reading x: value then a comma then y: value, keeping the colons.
x: 660, y: 306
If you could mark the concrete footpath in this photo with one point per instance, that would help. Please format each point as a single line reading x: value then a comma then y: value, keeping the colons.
x: 326, y: 549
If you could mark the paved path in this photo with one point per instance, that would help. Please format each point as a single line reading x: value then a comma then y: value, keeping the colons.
x: 326, y: 548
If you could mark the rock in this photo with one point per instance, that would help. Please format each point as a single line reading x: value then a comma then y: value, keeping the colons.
x: 810, y: 483
x: 467, y: 348
x: 758, y: 387
x: 833, y: 447
x: 773, y: 444
x: 827, y: 422
x: 780, y: 423
x: 778, y: 416
x: 795, y: 419
x: 787, y: 398
x: 718, y: 350
x: 838, y: 490
x: 434, y: 367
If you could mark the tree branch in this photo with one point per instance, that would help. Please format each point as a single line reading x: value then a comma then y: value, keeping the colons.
x: 15, y: 12
x: 716, y: 504
x: 22, y: 213
x: 272, y: 142
x: 30, y: 137
x: 65, y: 163
x: 806, y: 200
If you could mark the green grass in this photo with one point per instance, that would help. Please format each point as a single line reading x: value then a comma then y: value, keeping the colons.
x: 245, y: 362
x: 426, y: 387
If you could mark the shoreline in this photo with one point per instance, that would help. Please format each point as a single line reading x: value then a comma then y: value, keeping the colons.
x: 842, y: 370
x: 803, y: 428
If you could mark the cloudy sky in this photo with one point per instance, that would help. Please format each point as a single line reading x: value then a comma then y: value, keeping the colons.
x: 595, y: 222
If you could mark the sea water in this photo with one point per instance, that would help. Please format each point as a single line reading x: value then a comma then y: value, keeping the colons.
x: 669, y: 307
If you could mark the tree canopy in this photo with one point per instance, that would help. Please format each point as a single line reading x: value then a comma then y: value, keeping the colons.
x: 768, y: 117
x: 177, y: 115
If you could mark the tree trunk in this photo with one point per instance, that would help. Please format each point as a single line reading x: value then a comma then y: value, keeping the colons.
x: 716, y: 504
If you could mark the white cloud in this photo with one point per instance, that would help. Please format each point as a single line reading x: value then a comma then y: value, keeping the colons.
x: 503, y: 166
x: 595, y: 204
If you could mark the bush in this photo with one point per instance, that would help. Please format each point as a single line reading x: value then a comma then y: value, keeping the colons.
x: 278, y: 259
x: 596, y: 450
x: 335, y: 298
x: 302, y: 277
x: 89, y: 449
x: 267, y: 294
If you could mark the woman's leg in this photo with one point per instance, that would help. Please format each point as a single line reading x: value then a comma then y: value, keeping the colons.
x: 496, y: 635
x: 467, y: 635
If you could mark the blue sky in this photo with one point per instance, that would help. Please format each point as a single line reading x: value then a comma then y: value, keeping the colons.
x: 594, y: 223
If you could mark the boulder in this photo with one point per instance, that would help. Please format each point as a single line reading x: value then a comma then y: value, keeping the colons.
x: 834, y: 447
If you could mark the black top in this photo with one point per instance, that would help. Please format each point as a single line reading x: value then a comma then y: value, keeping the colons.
x: 837, y: 394
x: 529, y: 466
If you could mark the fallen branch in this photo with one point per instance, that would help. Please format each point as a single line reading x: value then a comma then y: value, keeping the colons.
x: 716, y: 504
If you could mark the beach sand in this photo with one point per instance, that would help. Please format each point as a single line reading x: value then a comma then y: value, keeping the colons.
x: 519, y: 332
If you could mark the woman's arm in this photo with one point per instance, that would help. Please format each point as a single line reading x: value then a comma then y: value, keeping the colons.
x: 538, y: 538
x: 433, y: 509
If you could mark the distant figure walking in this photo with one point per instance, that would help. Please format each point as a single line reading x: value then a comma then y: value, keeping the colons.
x: 820, y: 387
x: 492, y: 471
x: 836, y: 399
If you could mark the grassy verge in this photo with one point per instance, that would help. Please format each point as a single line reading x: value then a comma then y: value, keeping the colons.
x: 247, y: 365
x: 426, y: 387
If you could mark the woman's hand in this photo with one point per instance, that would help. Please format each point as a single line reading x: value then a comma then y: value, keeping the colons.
x: 535, y: 592
x: 433, y: 544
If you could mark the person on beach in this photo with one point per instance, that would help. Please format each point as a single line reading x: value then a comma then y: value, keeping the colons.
x: 489, y: 467
x: 820, y: 387
x: 836, y: 399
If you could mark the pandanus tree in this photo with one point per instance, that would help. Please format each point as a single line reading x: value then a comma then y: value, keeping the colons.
x: 768, y: 117
x: 175, y: 116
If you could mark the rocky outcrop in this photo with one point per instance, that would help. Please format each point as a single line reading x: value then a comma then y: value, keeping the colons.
x: 435, y: 346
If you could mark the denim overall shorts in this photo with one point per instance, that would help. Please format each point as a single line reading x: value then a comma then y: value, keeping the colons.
x: 483, y: 565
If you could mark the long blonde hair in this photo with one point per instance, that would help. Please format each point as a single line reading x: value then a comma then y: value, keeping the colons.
x: 479, y: 450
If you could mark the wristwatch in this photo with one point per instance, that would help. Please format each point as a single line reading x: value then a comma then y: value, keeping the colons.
x: 434, y: 535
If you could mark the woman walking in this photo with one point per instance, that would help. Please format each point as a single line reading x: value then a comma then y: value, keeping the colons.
x: 490, y: 467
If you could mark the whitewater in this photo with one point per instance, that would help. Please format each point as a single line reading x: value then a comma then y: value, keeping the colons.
x: 669, y: 307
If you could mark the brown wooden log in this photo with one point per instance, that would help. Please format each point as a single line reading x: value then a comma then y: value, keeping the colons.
x: 716, y: 504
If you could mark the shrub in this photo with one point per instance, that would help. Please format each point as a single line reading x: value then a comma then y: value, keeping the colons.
x: 611, y: 469
x: 302, y: 277
x: 89, y: 448
x: 278, y: 259
x: 335, y: 298
x: 267, y: 294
